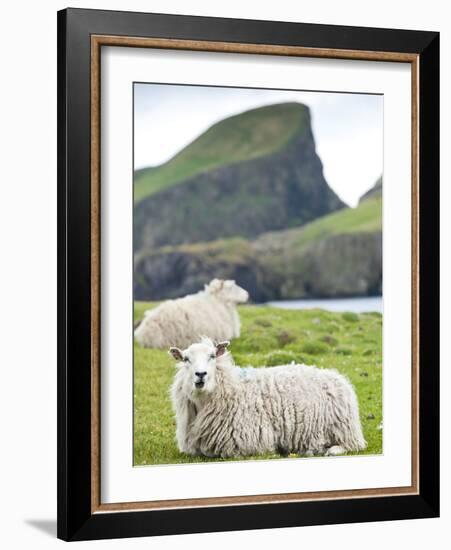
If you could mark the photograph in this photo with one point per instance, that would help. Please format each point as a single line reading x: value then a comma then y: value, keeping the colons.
x: 257, y: 274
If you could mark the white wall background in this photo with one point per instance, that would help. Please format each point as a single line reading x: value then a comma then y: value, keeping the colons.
x: 28, y: 272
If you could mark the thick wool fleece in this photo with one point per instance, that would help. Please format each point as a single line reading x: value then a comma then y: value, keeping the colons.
x: 211, y: 312
x: 284, y: 409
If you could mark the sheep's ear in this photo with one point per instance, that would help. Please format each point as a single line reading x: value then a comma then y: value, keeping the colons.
x: 176, y: 354
x: 215, y: 285
x: 221, y: 348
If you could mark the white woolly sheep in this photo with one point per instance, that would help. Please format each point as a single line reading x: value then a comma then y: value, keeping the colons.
x: 223, y: 410
x: 211, y: 312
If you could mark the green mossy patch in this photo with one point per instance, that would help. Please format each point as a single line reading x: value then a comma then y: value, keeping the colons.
x: 350, y: 317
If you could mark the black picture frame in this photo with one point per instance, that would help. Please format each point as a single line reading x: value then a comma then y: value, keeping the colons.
x: 76, y: 520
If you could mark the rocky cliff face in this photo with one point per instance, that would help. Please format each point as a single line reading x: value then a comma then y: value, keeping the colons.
x: 171, y: 272
x: 348, y: 264
x: 285, y: 188
x: 331, y: 257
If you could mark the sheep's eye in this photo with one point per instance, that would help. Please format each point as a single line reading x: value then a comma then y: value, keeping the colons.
x: 186, y: 359
x: 212, y: 356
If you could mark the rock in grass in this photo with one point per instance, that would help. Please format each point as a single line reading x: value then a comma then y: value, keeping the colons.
x: 285, y: 337
x: 328, y: 339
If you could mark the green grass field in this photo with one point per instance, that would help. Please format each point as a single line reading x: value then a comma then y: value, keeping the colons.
x: 348, y: 342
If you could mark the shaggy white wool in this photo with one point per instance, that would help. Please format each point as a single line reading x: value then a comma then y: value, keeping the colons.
x: 211, y: 312
x: 222, y: 410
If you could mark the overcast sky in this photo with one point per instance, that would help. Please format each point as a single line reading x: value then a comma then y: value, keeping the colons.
x: 348, y: 128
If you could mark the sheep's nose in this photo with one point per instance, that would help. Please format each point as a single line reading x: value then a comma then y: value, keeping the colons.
x: 200, y: 374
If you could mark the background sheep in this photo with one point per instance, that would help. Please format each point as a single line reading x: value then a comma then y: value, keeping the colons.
x: 211, y: 312
x: 225, y: 411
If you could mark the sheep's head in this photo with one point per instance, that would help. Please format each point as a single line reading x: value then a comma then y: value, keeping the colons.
x: 199, y: 363
x: 228, y: 291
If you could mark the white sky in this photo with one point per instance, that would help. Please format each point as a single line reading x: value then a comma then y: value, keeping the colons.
x: 348, y: 128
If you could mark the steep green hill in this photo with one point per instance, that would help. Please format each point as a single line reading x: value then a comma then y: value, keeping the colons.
x: 246, y: 136
x: 249, y: 174
x: 337, y: 255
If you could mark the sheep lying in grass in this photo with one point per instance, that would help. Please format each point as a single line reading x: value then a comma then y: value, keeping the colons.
x: 211, y: 312
x: 223, y: 410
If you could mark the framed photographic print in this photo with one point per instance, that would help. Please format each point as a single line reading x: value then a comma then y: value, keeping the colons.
x: 248, y: 274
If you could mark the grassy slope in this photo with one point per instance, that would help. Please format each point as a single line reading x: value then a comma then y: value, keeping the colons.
x: 375, y: 191
x: 249, y: 135
x: 348, y: 342
x: 365, y: 218
x: 235, y: 249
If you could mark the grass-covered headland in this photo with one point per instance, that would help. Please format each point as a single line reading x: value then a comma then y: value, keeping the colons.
x: 253, y: 134
x: 348, y: 342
